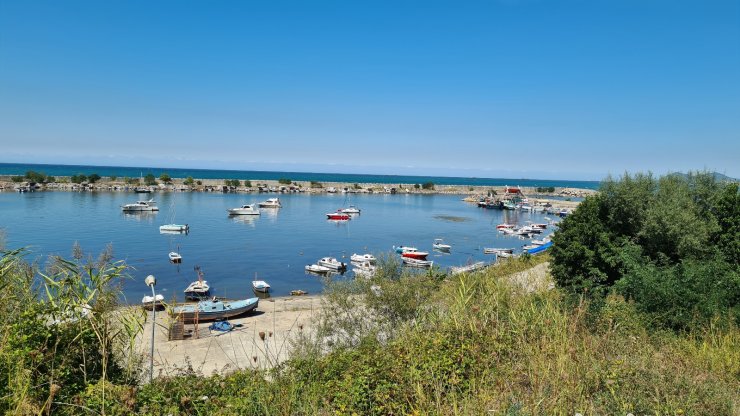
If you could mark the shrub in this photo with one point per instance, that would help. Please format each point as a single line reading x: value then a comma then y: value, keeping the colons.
x: 316, y: 185
x: 16, y: 179
x: 427, y: 185
x: 150, y: 180
x: 113, y: 178
x: 78, y: 178
x: 188, y: 181
x: 93, y: 178
x: 165, y: 178
x: 285, y: 181
x: 248, y: 183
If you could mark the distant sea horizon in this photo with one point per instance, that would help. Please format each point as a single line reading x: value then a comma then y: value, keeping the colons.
x: 135, y: 171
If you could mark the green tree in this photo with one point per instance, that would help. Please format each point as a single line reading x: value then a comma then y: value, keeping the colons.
x: 165, y: 178
x: 427, y: 185
x: 248, y: 183
x: 150, y: 180
x: 16, y: 179
x: 188, y: 181
x: 78, y: 178
x: 93, y: 178
x: 36, y: 177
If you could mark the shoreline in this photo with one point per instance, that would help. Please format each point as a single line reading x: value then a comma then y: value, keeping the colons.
x: 63, y: 183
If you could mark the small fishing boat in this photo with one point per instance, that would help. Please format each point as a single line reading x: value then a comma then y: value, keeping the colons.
x: 148, y: 302
x: 359, y: 258
x: 364, y: 269
x: 505, y: 226
x: 214, y: 309
x: 409, y: 261
x: 140, y: 206
x: 401, y: 249
x: 339, y: 215
x: 142, y: 190
x: 244, y: 210
x: 298, y: 292
x: 468, y: 268
x: 415, y: 254
x: 351, y: 210
x: 528, y: 247
x: 332, y: 263
x: 175, y: 257
x: 177, y: 228
x: 440, y: 245
x: 261, y: 286
x: 317, y: 268
x: 270, y: 203
x: 540, y: 242
x: 498, y: 251
x: 198, y: 289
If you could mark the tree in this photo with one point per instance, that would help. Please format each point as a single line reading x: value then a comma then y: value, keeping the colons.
x: 416, y: 186
x: 93, y: 178
x: 248, y: 183
x: 113, y: 178
x: 165, y: 178
x: 427, y: 185
x: 16, y: 179
x: 150, y: 180
x: 35, y: 177
x: 188, y: 181
x: 78, y: 178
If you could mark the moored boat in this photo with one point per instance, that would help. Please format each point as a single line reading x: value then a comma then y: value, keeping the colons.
x: 415, y: 254
x: 244, y: 210
x: 317, y: 268
x: 198, y: 289
x: 260, y: 286
x: 351, y: 210
x: 175, y: 257
x: 177, y: 228
x: 270, y: 203
x: 341, y: 216
x: 498, y: 251
x: 401, y: 249
x: 332, y: 263
x: 410, y: 261
x: 357, y: 258
x: 140, y: 206
x: 440, y: 245
x: 505, y: 226
x: 214, y: 309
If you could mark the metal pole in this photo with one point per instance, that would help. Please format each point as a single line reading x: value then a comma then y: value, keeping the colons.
x: 154, y: 319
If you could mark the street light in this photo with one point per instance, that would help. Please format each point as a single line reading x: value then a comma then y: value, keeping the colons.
x: 151, y: 281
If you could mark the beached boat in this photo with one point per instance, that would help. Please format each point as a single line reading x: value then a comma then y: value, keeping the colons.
x: 339, y: 215
x: 270, y: 203
x: 409, y: 261
x: 414, y: 254
x: 147, y: 302
x: 177, y: 228
x: 140, y: 206
x: 358, y: 258
x: 440, y: 245
x: 214, y: 309
x: 351, y: 210
x: 175, y: 257
x: 332, y: 263
x: 244, y: 210
x: 198, y: 289
x: 468, y: 268
x: 260, y: 286
x: 528, y: 247
x: 317, y: 268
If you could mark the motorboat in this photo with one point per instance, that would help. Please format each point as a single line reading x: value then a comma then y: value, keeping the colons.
x: 270, y: 203
x: 332, y: 263
x: 148, y: 302
x: 540, y: 242
x: 409, y: 261
x: 244, y: 210
x: 261, y: 286
x: 175, y: 257
x: 414, y: 254
x: 142, y: 190
x: 440, y: 245
x: 351, y: 210
x: 214, y: 309
x: 140, y: 206
x: 339, y: 215
x: 198, y: 289
x: 317, y: 268
x: 505, y: 226
x: 364, y: 269
x: 468, y: 268
x: 498, y: 251
x: 177, y: 228
x: 359, y: 258
x: 401, y: 249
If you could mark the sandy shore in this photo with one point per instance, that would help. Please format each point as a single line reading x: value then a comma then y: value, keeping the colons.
x: 280, y: 319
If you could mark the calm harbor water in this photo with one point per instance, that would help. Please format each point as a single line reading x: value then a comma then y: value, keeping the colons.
x: 231, y: 250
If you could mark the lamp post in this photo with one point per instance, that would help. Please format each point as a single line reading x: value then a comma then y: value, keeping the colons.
x: 151, y: 281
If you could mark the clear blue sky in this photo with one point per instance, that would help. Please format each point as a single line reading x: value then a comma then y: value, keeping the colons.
x: 517, y: 88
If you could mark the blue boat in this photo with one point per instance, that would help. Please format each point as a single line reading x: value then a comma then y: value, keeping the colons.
x: 539, y: 249
x: 214, y: 309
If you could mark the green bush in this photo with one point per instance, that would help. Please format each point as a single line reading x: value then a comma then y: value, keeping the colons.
x: 78, y: 178
x: 165, y: 178
x: 189, y: 181
x: 316, y: 185
x: 93, y: 178
x: 285, y: 181
x: 427, y: 185
x: 150, y: 180
x: 16, y: 179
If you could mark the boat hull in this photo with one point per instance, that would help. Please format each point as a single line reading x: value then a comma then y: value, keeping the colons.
x: 226, y: 310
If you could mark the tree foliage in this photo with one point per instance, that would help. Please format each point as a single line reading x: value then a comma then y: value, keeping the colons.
x: 165, y: 178
x: 150, y: 180
x: 671, y: 244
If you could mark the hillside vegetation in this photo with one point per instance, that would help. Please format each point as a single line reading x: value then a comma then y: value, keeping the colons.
x: 424, y: 343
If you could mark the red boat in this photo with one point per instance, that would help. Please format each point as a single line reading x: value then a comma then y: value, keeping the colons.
x: 502, y: 226
x: 415, y: 254
x: 338, y: 216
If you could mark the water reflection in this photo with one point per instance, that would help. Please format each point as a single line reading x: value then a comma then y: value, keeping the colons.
x: 140, y: 216
x: 249, y: 220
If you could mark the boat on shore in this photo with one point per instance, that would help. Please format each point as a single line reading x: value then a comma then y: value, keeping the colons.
x: 244, y: 210
x: 410, y: 261
x: 140, y: 206
x: 270, y: 203
x: 214, y: 309
x: 498, y: 251
x: 537, y: 249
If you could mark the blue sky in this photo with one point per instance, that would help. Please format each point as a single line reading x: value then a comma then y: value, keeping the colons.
x: 517, y: 88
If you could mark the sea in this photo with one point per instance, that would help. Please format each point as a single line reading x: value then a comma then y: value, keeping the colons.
x: 232, y: 251
x: 132, y: 172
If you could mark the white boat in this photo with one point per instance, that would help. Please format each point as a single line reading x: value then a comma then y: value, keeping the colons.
x: 359, y: 258
x: 529, y: 247
x: 270, y: 203
x: 178, y: 228
x: 244, y: 210
x: 199, y: 289
x: 417, y: 262
x: 149, y: 302
x: 140, y: 206
x: 468, y: 268
x: 316, y: 268
x: 539, y: 226
x: 440, y: 245
x: 175, y: 257
x: 497, y: 251
x: 364, y: 269
x: 351, y: 210
x: 540, y: 242
x: 261, y: 286
x: 401, y: 249
x: 332, y: 263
